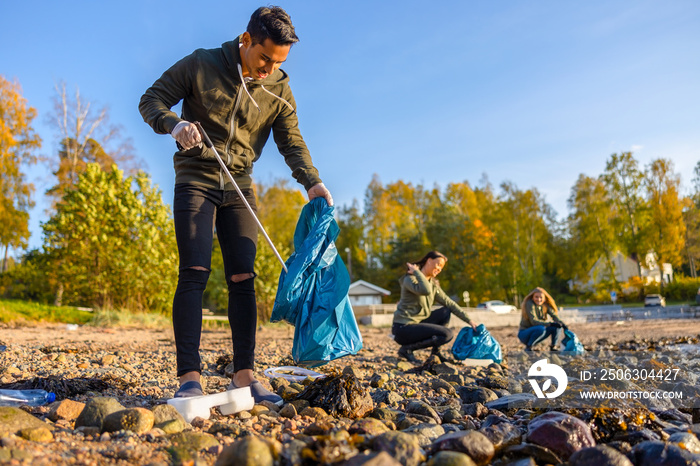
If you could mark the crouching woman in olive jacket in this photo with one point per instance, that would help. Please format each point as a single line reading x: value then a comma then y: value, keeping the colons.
x: 416, y: 325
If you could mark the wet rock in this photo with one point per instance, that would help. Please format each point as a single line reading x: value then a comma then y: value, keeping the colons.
x: 450, y: 458
x: 185, y: 445
x: 511, y: 403
x: 316, y: 413
x: 249, y: 451
x: 427, y: 433
x: 475, y: 444
x: 369, y: 427
x: 387, y: 414
x: 655, y: 453
x: 378, y: 380
x: 138, y: 420
x: 686, y: 441
x: 167, y: 418
x: 562, y: 433
x: 452, y: 415
x: 423, y: 409
x: 600, y: 455
x: 36, y: 434
x: 440, y: 384
x: 477, y: 410
x: 389, y: 397
x: 288, y: 411
x: 341, y: 395
x: 471, y: 394
x: 539, y: 453
x: 634, y: 437
x: 13, y: 419
x: 68, y: 410
x: 502, y: 434
x: 373, y: 459
x: 401, y: 446
x: 96, y: 410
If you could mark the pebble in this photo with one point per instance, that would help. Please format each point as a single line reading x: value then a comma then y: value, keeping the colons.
x: 445, y: 415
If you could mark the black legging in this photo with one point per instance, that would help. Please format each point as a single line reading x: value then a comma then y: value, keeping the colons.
x: 434, y: 327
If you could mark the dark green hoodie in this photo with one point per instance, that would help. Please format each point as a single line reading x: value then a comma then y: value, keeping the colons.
x: 237, y: 116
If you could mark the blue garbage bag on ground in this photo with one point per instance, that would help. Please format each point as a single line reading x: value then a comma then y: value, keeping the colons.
x: 313, y: 294
x: 477, y: 344
x: 571, y: 343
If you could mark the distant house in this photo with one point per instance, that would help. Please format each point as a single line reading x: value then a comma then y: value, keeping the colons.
x: 362, y: 293
x: 625, y: 268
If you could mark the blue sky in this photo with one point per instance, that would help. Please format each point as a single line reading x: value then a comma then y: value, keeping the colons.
x: 532, y: 92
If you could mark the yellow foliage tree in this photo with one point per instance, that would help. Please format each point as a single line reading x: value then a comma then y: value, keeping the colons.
x: 18, y: 141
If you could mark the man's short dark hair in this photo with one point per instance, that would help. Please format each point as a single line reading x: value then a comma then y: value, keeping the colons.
x: 274, y: 23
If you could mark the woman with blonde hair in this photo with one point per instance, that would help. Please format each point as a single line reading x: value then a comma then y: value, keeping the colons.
x: 534, y: 327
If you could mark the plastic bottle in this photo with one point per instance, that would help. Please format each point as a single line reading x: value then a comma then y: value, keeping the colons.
x: 26, y: 397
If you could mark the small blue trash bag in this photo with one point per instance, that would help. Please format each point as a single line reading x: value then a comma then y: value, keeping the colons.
x: 571, y: 344
x: 313, y: 294
x: 477, y: 344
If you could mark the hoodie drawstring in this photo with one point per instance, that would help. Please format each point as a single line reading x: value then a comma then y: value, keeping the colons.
x: 240, y: 73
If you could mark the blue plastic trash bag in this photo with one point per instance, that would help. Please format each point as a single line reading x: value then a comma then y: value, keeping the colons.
x: 313, y: 294
x: 571, y: 343
x: 476, y: 345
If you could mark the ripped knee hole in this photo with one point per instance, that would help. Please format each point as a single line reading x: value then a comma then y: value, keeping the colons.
x: 241, y: 276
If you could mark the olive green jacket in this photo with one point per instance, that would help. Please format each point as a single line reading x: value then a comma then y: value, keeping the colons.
x: 237, y: 115
x: 418, y: 294
x: 533, y: 315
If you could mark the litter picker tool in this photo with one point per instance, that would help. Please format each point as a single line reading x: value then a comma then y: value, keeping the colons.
x: 210, y: 145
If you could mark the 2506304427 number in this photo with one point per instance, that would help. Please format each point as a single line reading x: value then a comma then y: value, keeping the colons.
x: 603, y: 374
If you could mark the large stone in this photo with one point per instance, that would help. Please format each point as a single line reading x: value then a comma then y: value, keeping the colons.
x: 471, y: 394
x: 562, y: 433
x: 511, y: 403
x: 686, y: 441
x: 502, y: 434
x: 37, y: 434
x: 369, y: 427
x: 249, y: 451
x: 68, y: 410
x: 167, y: 418
x: 450, y: 458
x: 423, y: 409
x: 138, y: 420
x: 403, y: 447
x: 96, y: 410
x: 655, y: 453
x: 426, y: 432
x: 13, y: 419
x: 185, y: 445
x: 475, y: 444
x: 600, y: 455
x: 372, y: 459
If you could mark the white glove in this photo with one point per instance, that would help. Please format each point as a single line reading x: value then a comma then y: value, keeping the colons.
x: 320, y: 190
x: 187, y: 135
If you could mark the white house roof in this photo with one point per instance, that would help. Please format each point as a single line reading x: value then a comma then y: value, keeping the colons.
x: 363, y: 288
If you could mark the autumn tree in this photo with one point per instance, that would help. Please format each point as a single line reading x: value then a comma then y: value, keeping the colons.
x: 85, y: 136
x: 625, y: 182
x: 18, y: 143
x: 112, y: 242
x: 666, y: 233
x: 590, y: 226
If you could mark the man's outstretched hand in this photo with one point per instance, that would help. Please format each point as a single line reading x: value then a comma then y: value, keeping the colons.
x: 320, y: 190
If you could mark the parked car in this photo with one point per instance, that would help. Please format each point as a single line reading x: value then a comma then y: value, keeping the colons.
x: 498, y: 307
x: 654, y: 300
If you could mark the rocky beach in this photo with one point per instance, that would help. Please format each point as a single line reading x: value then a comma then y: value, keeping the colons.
x: 372, y: 408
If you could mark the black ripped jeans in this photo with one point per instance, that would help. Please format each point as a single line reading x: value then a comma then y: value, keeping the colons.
x: 196, y: 210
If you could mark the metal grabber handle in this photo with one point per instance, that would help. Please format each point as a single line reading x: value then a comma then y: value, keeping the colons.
x: 210, y: 145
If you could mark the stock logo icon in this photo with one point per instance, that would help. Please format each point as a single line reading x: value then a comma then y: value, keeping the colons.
x: 543, y: 369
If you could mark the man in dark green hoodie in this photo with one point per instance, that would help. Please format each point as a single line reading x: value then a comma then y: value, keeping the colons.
x: 240, y: 95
